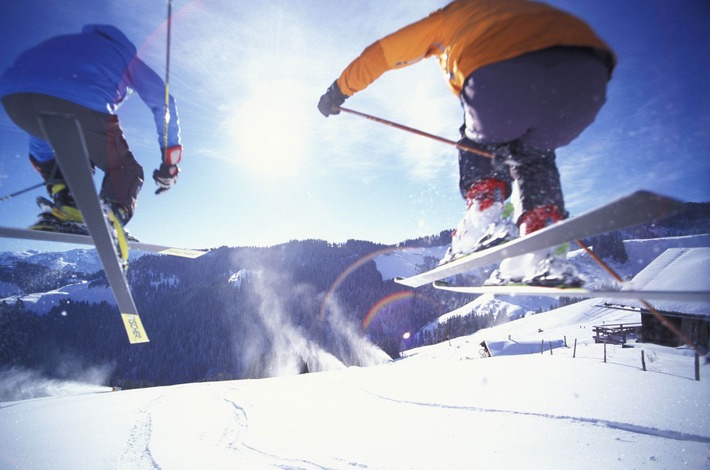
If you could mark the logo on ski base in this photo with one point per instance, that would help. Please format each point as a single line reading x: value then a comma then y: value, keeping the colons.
x: 134, y: 328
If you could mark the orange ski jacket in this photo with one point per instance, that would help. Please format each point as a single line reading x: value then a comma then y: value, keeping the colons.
x: 469, y: 34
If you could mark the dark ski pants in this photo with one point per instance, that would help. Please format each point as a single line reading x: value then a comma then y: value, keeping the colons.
x: 525, y: 108
x: 108, y: 149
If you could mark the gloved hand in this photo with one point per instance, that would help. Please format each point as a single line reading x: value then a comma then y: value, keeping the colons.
x: 166, y: 176
x: 331, y: 100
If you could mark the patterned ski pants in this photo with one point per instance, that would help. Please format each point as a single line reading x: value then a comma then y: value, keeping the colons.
x: 525, y: 108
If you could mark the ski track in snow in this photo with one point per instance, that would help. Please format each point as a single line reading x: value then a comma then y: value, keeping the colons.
x: 632, y: 428
x: 216, y: 425
x: 238, y: 444
x: 137, y: 453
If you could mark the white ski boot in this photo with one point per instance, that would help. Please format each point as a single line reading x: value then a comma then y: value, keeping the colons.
x: 548, y: 267
x: 485, y: 224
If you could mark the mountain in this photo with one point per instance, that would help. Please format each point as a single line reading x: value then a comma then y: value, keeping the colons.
x: 33, y: 272
x: 257, y: 312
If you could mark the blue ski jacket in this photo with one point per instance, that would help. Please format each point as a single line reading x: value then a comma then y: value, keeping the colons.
x: 99, y: 69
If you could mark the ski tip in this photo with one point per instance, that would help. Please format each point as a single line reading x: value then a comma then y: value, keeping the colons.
x: 406, y: 281
x: 134, y: 328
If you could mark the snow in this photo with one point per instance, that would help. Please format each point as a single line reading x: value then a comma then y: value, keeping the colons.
x: 405, y: 262
x: 401, y: 262
x: 441, y: 406
x: 549, y: 397
x: 676, y: 269
x: 42, y: 302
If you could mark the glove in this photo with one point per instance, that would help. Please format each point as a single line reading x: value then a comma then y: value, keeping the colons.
x: 331, y: 100
x: 166, y: 176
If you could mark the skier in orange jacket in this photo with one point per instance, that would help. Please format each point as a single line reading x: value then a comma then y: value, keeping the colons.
x: 530, y: 79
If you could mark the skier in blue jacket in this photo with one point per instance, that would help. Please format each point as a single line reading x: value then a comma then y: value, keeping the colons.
x: 88, y: 75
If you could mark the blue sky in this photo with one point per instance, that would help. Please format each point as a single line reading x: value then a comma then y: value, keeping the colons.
x: 261, y: 166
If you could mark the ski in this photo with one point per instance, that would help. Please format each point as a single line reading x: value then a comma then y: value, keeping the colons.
x: 66, y: 136
x: 79, y: 239
x: 636, y: 208
x: 685, y: 296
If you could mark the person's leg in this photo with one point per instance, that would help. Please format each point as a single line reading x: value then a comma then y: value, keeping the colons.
x: 123, y: 175
x: 485, y: 187
x: 496, y: 113
x: 107, y: 147
x: 532, y: 105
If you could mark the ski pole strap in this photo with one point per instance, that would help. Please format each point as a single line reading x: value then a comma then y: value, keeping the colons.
x: 418, y: 132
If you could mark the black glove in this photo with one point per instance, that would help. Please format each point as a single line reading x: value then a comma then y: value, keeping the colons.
x: 166, y: 176
x: 331, y: 100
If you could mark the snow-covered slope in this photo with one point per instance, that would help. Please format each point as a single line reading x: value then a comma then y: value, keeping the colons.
x: 43, y: 302
x: 407, y: 261
x: 79, y: 260
x: 677, y: 269
x: 440, y: 407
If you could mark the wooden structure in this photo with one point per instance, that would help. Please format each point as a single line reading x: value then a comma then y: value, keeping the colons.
x: 695, y: 327
x: 616, y: 333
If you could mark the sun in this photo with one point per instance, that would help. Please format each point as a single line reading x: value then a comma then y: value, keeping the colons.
x: 269, y: 132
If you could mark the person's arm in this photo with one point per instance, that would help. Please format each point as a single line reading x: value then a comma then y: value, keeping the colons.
x: 151, y: 88
x: 399, y: 49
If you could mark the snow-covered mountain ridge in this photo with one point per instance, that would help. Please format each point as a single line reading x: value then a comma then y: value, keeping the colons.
x: 331, y: 299
x: 396, y: 262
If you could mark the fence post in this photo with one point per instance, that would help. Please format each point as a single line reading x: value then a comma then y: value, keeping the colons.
x: 542, y: 346
x: 550, y: 348
x: 697, y: 367
x: 643, y: 359
x: 605, y: 352
x: 574, y: 352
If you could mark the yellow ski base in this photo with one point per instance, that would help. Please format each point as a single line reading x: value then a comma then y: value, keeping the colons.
x: 121, y: 238
x: 134, y: 328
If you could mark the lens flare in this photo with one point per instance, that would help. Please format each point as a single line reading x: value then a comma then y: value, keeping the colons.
x: 349, y: 270
x: 382, y: 304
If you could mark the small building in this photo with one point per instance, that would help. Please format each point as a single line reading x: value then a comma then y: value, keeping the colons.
x: 694, y: 327
x: 677, y: 269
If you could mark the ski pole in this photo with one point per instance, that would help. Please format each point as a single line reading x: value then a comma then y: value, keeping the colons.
x: 167, y: 78
x: 418, y: 132
x: 167, y: 87
x: 9, y: 196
